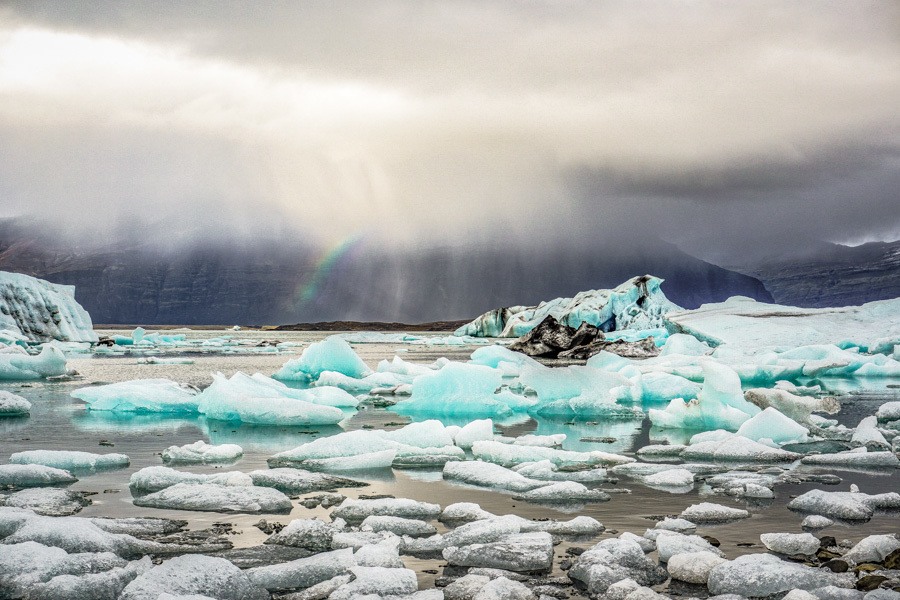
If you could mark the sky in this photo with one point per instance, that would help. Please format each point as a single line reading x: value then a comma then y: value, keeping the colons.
x: 727, y: 128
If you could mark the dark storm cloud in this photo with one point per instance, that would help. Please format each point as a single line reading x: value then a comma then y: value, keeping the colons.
x: 713, y: 124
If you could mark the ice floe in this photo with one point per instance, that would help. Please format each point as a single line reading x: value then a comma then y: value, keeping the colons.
x: 70, y: 460
x: 140, y: 396
x: 12, y: 405
x: 201, y: 452
x: 217, y: 498
x: 33, y: 475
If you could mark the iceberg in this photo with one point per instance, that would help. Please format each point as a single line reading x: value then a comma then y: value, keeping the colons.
x: 43, y: 311
x: 693, y: 567
x: 847, y: 506
x: 377, y: 582
x: 752, y: 326
x: 795, y: 407
x: 474, y: 431
x: 12, y: 405
x: 140, y: 396
x: 194, y: 574
x: 298, y: 481
x: 70, y: 460
x: 304, y: 572
x: 201, y: 452
x: 486, y: 474
x: 638, y: 303
x: 762, y: 575
x: 15, y: 366
x: 154, y: 479
x: 614, y: 560
x: 217, y: 498
x: 356, y: 511
x: 398, y: 526
x: 857, y: 457
x: 868, y: 436
x: 49, y: 502
x: 31, y: 475
x: 331, y: 354
x: 311, y: 534
x: 774, y: 426
x: 731, y: 447
x: 563, y: 492
x: 509, y: 455
x: 524, y: 552
x: 719, y: 405
x: 708, y: 512
x: 228, y: 400
x: 791, y: 544
x: 462, y: 390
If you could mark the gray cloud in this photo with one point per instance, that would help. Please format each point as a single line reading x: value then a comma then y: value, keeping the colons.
x: 713, y: 124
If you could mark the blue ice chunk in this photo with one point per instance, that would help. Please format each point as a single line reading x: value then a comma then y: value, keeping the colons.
x: 15, y: 366
x: 462, y: 390
x: 772, y: 425
x: 331, y: 354
x: 140, y: 396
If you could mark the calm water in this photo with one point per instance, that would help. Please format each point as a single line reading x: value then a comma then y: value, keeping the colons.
x: 60, y: 422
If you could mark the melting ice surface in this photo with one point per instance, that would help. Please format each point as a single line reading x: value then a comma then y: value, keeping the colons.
x: 491, y: 457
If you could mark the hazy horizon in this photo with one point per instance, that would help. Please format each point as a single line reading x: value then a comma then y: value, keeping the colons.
x: 727, y: 129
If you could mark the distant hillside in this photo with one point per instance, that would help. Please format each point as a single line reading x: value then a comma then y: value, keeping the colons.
x: 289, y: 282
x: 834, y: 275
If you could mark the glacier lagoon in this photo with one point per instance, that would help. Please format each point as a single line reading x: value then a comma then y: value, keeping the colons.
x: 60, y: 422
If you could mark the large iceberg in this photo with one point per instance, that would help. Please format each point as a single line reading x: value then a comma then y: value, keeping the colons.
x: 636, y: 304
x: 751, y: 326
x: 43, y: 311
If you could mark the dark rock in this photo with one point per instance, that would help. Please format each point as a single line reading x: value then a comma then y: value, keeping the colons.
x: 870, y: 582
x: 712, y: 541
x: 827, y: 541
x: 836, y: 565
x: 892, y: 560
x: 552, y: 339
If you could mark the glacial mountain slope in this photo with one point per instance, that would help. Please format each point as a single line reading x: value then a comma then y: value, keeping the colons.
x: 833, y: 275
x: 263, y: 282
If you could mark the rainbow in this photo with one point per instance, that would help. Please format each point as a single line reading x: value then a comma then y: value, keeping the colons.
x: 310, y: 287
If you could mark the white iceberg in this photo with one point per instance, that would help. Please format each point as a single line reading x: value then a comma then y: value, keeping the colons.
x: 377, y: 582
x: 194, y: 574
x: 299, y: 481
x: 31, y: 475
x: 304, y: 572
x: 12, y: 405
x: 217, y: 498
x: 356, y: 511
x: 50, y: 502
x: 693, y: 567
x: 486, y: 474
x: 201, y: 452
x: 154, y: 479
x: 749, y: 325
x: 398, y: 525
x: 762, y: 575
x: 708, y: 512
x: 848, y: 506
x: 70, y: 460
x: 508, y: 455
x: 43, y: 311
x: 791, y: 544
x: 526, y: 552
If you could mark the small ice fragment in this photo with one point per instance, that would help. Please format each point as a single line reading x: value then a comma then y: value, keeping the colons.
x: 377, y: 581
x: 311, y: 534
x: 816, y: 522
x: 693, y: 567
x: 873, y: 549
x: 708, y: 512
x: 848, y: 506
x: 355, y: 511
x: 31, y: 475
x: 563, y: 492
x: 398, y: 526
x: 764, y: 575
x: 791, y: 544
x: 671, y: 478
x: 201, y: 452
x: 12, y: 405
x: 297, y: 481
x: 70, y: 460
